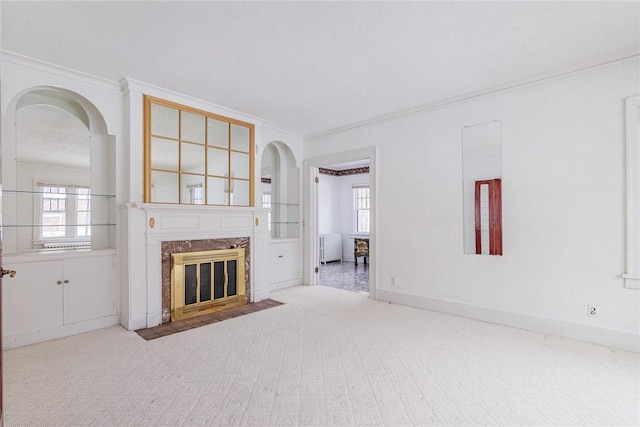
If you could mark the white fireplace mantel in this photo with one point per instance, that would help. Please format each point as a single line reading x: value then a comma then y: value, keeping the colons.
x: 150, y: 224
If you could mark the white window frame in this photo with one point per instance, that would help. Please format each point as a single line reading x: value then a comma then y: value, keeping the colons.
x: 356, y: 210
x: 266, y: 203
x: 196, y: 193
x: 71, y: 212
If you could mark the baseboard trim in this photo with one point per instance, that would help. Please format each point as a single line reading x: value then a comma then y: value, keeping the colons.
x: 153, y: 319
x: 19, y: 340
x: 135, y: 324
x: 592, y: 334
x: 283, y: 285
x: 260, y: 294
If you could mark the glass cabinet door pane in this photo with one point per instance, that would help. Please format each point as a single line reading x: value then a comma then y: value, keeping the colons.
x: 239, y: 165
x: 192, y: 127
x: 232, y: 282
x: 218, y: 279
x: 192, y: 158
x: 192, y: 189
x: 190, y: 284
x: 217, y: 162
x: 217, y: 191
x: 205, y: 281
x: 164, y: 187
x: 164, y: 154
x: 240, y: 192
x: 240, y: 139
x: 164, y: 121
x: 218, y: 133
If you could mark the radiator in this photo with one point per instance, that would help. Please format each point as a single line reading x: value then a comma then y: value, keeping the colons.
x: 67, y: 245
x: 330, y: 247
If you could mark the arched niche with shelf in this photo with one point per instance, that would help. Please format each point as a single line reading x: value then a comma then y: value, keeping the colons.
x: 57, y: 173
x: 280, y: 180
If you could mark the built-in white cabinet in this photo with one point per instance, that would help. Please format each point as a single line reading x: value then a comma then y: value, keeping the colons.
x: 285, y: 263
x: 57, y: 295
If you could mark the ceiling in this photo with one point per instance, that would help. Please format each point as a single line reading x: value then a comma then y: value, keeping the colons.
x: 313, y: 67
x: 348, y: 165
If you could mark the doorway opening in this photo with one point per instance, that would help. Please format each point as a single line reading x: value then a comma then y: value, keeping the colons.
x: 343, y: 225
x: 341, y: 217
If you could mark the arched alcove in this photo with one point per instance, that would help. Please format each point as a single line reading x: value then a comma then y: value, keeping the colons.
x: 58, y: 177
x: 280, y: 178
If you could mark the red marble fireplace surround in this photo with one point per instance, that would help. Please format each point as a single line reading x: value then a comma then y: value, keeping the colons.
x: 181, y: 246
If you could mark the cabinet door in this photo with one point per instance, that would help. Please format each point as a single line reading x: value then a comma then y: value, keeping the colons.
x: 91, y: 290
x: 283, y: 262
x: 32, y: 300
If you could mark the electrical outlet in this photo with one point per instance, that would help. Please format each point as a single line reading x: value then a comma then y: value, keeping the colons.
x: 592, y: 311
x: 393, y: 281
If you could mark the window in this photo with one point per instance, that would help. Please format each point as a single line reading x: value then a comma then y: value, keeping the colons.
x: 65, y: 213
x: 266, y: 203
x: 83, y: 212
x: 196, y: 194
x: 361, y: 208
x: 184, y: 145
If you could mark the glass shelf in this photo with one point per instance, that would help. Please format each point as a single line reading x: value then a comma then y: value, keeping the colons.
x: 71, y: 218
x: 284, y: 222
x: 27, y: 192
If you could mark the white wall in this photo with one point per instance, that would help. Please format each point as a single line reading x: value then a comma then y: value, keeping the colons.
x: 328, y: 208
x: 563, y: 207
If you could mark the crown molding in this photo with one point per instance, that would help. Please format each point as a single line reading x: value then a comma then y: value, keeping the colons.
x: 280, y: 130
x: 49, y: 70
x: 557, y: 74
x: 129, y: 85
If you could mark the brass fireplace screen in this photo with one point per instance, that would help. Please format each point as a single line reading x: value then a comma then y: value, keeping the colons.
x: 206, y: 281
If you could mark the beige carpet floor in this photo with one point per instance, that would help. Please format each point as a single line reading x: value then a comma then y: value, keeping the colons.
x: 325, y: 357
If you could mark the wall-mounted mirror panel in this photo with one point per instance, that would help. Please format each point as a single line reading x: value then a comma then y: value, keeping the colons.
x: 482, y: 188
x: 280, y: 190
x: 58, y: 188
x: 240, y: 138
x: 166, y: 123
x: 164, y: 154
x: 192, y: 158
x: 217, y: 162
x: 240, y: 165
x: 217, y: 150
x: 164, y: 187
x: 217, y: 133
x: 217, y: 192
x: 240, y: 192
x: 192, y: 191
x: 192, y: 127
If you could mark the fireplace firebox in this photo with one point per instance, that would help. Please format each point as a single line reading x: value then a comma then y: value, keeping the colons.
x: 206, y: 281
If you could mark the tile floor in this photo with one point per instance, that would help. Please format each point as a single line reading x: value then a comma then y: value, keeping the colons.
x: 324, y: 357
x: 345, y: 275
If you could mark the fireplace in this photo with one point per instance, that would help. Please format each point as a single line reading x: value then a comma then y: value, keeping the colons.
x: 206, y: 281
x: 225, y: 255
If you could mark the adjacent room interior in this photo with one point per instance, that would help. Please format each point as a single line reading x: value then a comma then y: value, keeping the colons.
x: 343, y: 224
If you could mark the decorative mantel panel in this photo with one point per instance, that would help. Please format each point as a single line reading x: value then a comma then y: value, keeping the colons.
x: 157, y: 230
